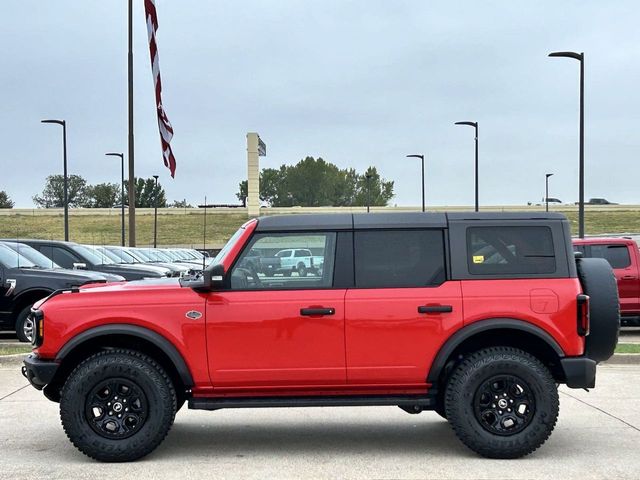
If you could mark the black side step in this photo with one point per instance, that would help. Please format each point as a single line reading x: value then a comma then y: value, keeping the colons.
x: 335, y: 401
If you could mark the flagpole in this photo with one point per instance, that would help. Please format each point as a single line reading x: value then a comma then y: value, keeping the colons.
x: 132, y: 186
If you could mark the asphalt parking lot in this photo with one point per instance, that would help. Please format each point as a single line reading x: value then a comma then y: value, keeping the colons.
x: 597, y: 437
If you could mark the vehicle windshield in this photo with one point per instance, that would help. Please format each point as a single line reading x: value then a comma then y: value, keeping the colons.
x: 12, y: 259
x: 104, y: 258
x: 144, y: 256
x: 110, y: 254
x: 91, y: 255
x: 137, y: 258
x: 30, y: 253
x: 163, y: 256
x: 225, y: 250
x: 171, y: 254
x: 125, y: 257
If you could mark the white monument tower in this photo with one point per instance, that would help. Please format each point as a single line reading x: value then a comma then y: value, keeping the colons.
x: 255, y: 149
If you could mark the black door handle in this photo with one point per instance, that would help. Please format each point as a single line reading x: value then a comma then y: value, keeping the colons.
x: 317, y: 311
x: 435, y: 309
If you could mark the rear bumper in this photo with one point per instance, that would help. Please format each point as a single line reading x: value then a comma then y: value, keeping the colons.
x: 579, y: 372
x: 39, y: 372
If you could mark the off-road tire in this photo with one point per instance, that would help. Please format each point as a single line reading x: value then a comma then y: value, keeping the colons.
x: 599, y: 282
x: 21, y: 322
x: 466, y: 382
x: 143, y: 372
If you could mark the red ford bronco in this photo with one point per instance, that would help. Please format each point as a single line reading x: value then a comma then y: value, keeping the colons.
x: 477, y: 316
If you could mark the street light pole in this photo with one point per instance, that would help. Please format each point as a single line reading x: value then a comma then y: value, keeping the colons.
x: 421, y: 157
x: 580, y: 58
x: 121, y: 155
x: 546, y: 189
x: 155, y: 213
x: 65, y: 200
x: 368, y: 178
x: 474, y: 125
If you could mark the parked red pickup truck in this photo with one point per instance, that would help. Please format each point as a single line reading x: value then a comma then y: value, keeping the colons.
x: 477, y: 316
x: 624, y: 257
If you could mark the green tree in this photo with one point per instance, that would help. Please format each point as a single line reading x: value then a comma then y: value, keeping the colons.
x: 371, y: 187
x: 103, y: 195
x: 243, y: 192
x: 5, y: 200
x: 180, y: 204
x: 53, y: 194
x: 146, y: 193
x: 316, y: 183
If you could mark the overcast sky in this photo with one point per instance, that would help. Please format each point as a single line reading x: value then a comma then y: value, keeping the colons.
x: 356, y: 82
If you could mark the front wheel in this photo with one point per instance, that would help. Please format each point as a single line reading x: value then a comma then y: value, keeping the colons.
x: 24, y: 325
x: 117, y: 405
x: 502, y: 402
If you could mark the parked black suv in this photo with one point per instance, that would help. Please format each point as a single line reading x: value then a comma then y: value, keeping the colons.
x: 22, y: 283
x: 42, y: 261
x: 72, y: 255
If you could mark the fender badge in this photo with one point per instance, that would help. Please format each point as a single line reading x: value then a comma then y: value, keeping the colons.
x: 193, y: 314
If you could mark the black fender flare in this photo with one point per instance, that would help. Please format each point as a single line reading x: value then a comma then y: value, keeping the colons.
x: 134, y: 331
x: 482, y: 326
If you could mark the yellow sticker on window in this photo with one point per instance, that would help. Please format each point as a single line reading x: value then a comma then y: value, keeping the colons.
x: 478, y: 259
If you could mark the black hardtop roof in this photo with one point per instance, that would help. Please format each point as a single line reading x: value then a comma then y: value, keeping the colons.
x: 358, y: 221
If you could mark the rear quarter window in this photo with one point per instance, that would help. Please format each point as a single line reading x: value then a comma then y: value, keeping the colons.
x: 510, y: 250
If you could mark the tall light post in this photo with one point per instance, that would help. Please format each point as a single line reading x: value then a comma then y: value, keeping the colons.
x: 421, y: 157
x: 65, y: 200
x: 155, y: 213
x: 580, y: 58
x: 368, y: 177
x: 546, y: 189
x: 121, y: 190
x: 474, y: 125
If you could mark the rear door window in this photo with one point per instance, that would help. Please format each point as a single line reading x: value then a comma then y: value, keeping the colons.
x: 616, y: 255
x: 505, y: 250
x: 399, y: 258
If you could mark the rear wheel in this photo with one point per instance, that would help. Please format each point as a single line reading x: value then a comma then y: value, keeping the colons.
x: 502, y: 402
x: 117, y: 405
x: 302, y: 270
x: 24, y: 325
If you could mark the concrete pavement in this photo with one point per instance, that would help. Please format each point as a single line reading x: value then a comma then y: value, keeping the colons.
x: 597, y: 437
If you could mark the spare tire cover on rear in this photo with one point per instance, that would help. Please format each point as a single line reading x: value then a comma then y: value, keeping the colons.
x: 599, y: 282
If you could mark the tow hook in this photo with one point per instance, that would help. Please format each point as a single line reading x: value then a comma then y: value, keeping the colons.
x: 24, y: 372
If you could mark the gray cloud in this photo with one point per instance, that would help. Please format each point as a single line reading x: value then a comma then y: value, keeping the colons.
x: 357, y: 83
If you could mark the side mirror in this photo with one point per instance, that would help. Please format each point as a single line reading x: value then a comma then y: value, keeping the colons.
x: 212, y: 278
x: 79, y: 266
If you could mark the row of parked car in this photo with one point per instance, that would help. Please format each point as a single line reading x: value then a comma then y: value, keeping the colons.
x: 33, y: 269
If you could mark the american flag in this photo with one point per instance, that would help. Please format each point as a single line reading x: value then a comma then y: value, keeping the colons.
x: 166, y: 130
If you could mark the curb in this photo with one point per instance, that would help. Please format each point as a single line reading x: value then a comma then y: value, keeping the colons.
x: 624, y: 359
x: 12, y: 360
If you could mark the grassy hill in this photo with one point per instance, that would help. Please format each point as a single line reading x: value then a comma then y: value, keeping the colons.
x: 185, y: 227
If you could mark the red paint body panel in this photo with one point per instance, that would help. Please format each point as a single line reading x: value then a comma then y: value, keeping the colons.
x: 388, y: 341
x: 520, y: 298
x: 260, y: 338
x: 160, y: 307
x: 628, y: 278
